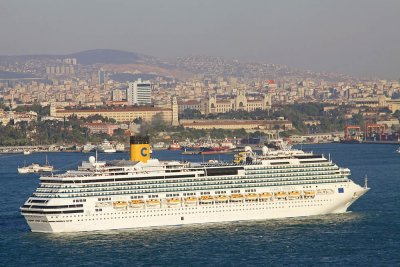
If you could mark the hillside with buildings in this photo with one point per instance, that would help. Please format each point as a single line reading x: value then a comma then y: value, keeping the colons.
x: 214, y: 94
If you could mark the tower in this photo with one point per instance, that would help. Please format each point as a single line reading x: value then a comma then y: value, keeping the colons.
x: 175, y: 111
x: 267, y: 101
x: 241, y: 100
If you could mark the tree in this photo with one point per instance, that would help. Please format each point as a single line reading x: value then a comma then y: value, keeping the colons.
x: 191, y: 114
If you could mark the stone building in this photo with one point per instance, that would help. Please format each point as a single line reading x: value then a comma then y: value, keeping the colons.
x: 240, y: 101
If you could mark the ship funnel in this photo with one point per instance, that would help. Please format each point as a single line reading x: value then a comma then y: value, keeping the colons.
x: 140, y: 148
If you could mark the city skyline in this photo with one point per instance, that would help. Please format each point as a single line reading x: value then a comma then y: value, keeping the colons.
x: 357, y: 38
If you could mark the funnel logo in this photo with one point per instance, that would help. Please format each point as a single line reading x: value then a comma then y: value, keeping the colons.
x: 144, y: 152
x: 140, y: 152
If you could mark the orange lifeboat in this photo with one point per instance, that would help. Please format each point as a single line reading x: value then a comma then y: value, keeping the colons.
x: 137, y: 203
x: 173, y: 201
x: 153, y: 202
x: 206, y: 199
x: 222, y: 198
x: 281, y: 195
x: 190, y: 200
x: 294, y: 194
x: 120, y: 204
x: 236, y: 197
x: 309, y: 193
x: 265, y: 195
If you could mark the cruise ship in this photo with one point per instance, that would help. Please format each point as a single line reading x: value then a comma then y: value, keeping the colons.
x: 146, y: 192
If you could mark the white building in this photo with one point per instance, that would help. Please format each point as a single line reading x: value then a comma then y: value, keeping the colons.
x: 139, y: 92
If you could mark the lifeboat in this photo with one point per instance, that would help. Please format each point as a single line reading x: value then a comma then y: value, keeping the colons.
x: 190, y: 200
x: 280, y: 195
x: 236, y: 197
x: 153, y: 202
x: 173, y: 201
x: 137, y: 203
x: 120, y: 204
x: 222, y: 198
x: 294, y: 194
x: 251, y: 196
x: 206, y: 199
x: 265, y: 195
x: 309, y: 193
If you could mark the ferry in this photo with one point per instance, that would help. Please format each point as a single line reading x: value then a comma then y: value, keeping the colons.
x: 106, y: 147
x: 147, y: 192
x: 35, y: 167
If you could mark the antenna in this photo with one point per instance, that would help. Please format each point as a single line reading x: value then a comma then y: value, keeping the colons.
x: 96, y: 155
x: 329, y: 156
x: 366, y: 182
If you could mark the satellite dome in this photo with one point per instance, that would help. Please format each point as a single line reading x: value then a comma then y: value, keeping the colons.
x: 247, y: 149
x: 92, y: 159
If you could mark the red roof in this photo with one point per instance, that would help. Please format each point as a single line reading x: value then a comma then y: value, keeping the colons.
x: 112, y: 110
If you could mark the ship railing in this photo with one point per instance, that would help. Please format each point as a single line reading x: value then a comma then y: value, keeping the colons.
x: 124, y: 190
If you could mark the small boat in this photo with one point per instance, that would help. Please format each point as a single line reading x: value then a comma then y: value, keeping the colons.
x: 153, y: 202
x: 173, y: 201
x: 294, y: 194
x: 206, y: 199
x: 251, y: 196
x: 222, y: 198
x: 136, y: 203
x: 190, y: 200
x: 265, y: 195
x: 27, y: 152
x: 398, y: 150
x: 120, y: 204
x: 309, y: 193
x: 174, y: 146
x: 236, y: 197
x: 281, y: 195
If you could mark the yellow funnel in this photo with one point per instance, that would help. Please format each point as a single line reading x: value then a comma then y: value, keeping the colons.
x: 140, y: 148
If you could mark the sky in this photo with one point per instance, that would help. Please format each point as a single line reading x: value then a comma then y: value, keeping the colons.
x: 357, y: 37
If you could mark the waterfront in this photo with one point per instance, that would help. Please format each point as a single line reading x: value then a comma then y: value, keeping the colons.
x: 366, y: 236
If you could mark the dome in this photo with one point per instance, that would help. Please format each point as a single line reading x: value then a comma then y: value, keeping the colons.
x: 92, y: 159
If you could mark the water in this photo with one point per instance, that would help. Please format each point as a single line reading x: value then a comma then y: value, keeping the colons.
x: 369, y: 235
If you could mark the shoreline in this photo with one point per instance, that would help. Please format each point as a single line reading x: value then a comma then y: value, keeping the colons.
x: 55, y: 149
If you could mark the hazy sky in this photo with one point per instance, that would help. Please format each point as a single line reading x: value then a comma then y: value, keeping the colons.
x: 359, y: 37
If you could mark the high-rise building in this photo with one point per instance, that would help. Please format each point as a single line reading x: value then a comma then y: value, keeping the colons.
x: 102, y: 76
x: 139, y: 93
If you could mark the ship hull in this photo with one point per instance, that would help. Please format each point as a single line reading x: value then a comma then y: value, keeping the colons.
x: 198, y: 213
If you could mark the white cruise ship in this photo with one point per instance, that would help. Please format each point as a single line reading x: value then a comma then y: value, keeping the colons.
x: 144, y: 192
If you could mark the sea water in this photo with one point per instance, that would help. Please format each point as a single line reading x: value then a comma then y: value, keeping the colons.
x: 368, y: 235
